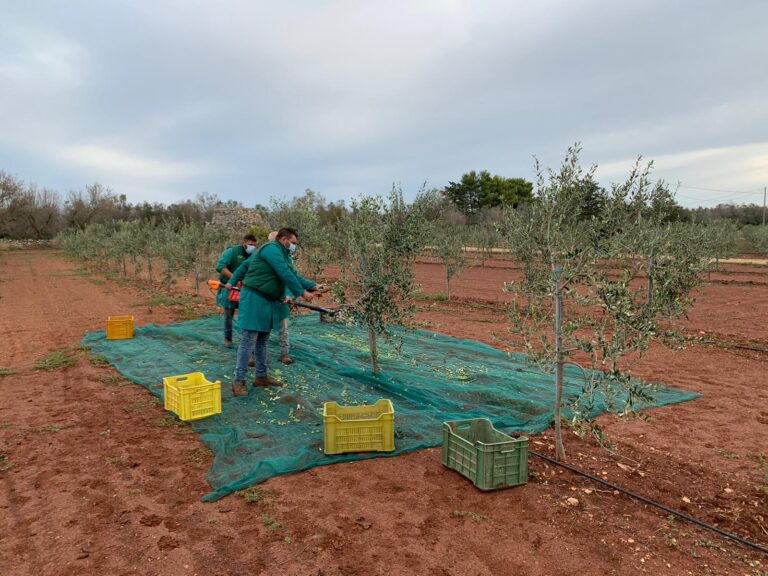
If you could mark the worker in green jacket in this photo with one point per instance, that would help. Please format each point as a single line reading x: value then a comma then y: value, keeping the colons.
x: 267, y: 276
x: 229, y: 261
x: 285, y: 313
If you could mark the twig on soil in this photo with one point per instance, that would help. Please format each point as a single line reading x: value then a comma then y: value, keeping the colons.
x: 602, y: 491
x: 627, y: 458
x: 293, y: 556
x: 761, y: 527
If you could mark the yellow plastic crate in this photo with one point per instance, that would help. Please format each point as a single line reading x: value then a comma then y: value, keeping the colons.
x: 119, y: 327
x: 359, y: 428
x: 191, y: 396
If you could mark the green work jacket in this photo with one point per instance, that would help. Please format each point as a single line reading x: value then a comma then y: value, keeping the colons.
x: 230, y: 259
x: 268, y: 276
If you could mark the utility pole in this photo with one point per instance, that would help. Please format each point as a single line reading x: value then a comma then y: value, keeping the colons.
x: 764, y: 190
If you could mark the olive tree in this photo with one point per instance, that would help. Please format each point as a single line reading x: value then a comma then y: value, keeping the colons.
x: 597, y: 289
x: 198, y: 248
x: 448, y: 233
x: 377, y: 244
x: 303, y: 213
x: 757, y: 236
x: 723, y: 238
x: 485, y: 233
x: 449, y: 239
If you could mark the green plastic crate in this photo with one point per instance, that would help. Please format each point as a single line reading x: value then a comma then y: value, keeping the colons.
x: 488, y: 457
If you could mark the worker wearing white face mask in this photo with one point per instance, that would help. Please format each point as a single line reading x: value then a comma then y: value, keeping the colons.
x: 268, y: 276
x: 284, y: 339
x: 229, y: 261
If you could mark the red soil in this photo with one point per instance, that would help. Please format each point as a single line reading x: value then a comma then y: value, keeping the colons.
x: 94, y: 481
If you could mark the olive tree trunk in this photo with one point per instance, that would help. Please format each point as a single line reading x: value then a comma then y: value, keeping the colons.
x: 559, y: 447
x: 373, y: 346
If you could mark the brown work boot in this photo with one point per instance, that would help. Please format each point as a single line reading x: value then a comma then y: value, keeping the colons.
x: 286, y: 359
x: 261, y: 381
x: 239, y: 389
x: 227, y: 343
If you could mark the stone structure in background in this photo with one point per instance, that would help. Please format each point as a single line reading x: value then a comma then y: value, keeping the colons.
x: 236, y: 220
x: 9, y: 244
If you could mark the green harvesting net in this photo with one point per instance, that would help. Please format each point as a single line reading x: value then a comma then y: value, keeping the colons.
x: 279, y: 430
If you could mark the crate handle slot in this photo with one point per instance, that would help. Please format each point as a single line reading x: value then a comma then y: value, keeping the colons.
x: 464, y: 426
x: 507, y: 451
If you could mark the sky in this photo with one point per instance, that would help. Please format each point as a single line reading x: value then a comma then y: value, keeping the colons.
x: 250, y: 100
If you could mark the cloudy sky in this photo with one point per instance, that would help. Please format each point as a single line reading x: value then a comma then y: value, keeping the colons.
x: 163, y: 100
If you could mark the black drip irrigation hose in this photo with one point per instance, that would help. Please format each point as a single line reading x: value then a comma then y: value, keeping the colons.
x: 691, y: 519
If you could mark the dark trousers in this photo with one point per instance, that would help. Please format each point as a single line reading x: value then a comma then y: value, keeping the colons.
x: 229, y: 314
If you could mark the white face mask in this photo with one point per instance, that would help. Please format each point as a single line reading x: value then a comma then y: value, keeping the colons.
x: 250, y: 248
x: 292, y: 248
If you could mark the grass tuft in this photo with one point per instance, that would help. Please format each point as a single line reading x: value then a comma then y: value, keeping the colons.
x: 270, y: 522
x: 135, y: 406
x: 169, y: 421
x: 254, y: 495
x: 436, y: 297
x: 5, y: 463
x: 474, y: 516
x: 57, y: 360
x: 198, y: 456
x: 99, y: 361
x: 113, y: 380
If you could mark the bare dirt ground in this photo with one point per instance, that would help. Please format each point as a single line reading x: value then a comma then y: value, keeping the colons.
x: 95, y: 480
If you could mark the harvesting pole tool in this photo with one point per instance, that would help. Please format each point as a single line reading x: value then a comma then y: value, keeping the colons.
x: 326, y: 314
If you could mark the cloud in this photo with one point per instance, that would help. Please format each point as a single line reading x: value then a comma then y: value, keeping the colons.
x: 102, y: 160
x: 708, y: 176
x: 34, y: 59
x: 740, y: 118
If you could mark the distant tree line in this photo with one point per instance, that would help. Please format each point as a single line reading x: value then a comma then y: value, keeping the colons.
x: 27, y: 211
x: 741, y: 214
x: 476, y: 191
x: 476, y: 201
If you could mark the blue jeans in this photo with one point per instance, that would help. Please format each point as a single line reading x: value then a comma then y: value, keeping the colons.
x: 285, y: 344
x: 229, y: 314
x: 252, y: 340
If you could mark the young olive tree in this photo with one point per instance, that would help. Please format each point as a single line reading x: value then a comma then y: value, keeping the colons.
x: 120, y: 245
x: 378, y: 241
x: 197, y: 247
x: 449, y: 239
x: 597, y: 289
x: 303, y: 213
x: 136, y: 234
x: 757, y: 236
x: 723, y: 239
x: 73, y: 243
x: 484, y: 234
x: 149, y: 245
x: 168, y: 247
x: 448, y: 233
